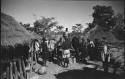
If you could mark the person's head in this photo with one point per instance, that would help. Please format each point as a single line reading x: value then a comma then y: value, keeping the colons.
x: 66, y: 29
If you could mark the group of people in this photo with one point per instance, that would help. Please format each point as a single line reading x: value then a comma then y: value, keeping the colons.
x: 62, y: 50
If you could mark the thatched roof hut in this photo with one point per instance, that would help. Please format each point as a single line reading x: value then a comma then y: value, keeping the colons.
x: 98, y: 33
x: 14, y: 37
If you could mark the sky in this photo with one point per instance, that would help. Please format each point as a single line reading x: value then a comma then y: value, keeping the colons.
x: 66, y: 12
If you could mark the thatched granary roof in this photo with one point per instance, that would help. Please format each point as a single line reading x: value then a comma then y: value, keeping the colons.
x: 12, y: 33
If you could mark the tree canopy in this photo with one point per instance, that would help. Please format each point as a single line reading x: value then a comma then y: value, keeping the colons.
x: 44, y: 24
x: 103, y: 16
x: 77, y: 28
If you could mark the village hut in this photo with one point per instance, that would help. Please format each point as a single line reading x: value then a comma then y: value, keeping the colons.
x: 14, y: 48
x: 98, y: 33
x: 116, y: 46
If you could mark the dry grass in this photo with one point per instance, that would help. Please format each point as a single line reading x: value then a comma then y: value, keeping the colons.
x: 12, y: 33
x: 99, y: 33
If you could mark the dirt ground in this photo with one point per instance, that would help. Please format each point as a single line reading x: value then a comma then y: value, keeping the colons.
x: 76, y: 71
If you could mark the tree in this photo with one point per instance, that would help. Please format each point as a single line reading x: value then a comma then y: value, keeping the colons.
x: 77, y: 28
x: 27, y: 26
x: 91, y: 25
x: 74, y: 28
x: 44, y: 25
x: 59, y: 28
x: 103, y: 16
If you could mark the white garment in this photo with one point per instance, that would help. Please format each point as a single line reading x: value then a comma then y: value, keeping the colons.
x: 105, y: 49
x: 92, y: 43
x: 105, y: 53
x: 37, y: 46
x: 51, y: 44
x: 66, y: 53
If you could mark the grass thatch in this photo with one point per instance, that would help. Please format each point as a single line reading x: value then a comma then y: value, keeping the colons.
x: 99, y: 33
x: 12, y: 33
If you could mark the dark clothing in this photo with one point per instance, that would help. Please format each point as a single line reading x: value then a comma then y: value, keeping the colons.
x: 75, y: 43
x: 44, y: 52
x: 66, y: 44
x: 106, y: 63
x: 44, y: 47
x: 98, y: 49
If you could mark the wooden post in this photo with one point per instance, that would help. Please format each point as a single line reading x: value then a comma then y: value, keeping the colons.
x: 15, y: 70
x: 31, y: 62
x: 8, y: 73
x: 20, y: 69
x: 11, y: 71
x: 23, y: 68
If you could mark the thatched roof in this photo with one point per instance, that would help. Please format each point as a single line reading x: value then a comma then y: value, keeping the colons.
x: 99, y: 33
x: 12, y: 33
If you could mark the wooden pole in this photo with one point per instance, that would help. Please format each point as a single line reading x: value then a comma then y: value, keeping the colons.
x: 11, y: 71
x: 31, y: 62
x: 20, y: 69
x: 23, y: 68
x: 8, y: 73
x: 15, y: 70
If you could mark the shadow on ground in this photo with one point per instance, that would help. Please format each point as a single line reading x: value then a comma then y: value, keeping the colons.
x: 86, y: 73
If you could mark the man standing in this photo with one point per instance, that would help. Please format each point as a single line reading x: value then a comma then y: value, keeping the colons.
x: 65, y: 47
x: 44, y: 51
x: 66, y: 32
x: 105, y: 56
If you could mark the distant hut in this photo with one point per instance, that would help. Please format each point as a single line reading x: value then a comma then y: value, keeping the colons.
x: 14, y: 48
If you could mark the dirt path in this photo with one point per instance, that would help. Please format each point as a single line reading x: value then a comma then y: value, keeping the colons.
x: 55, y: 69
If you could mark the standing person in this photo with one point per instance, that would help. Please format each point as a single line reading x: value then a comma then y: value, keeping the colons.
x: 105, y: 56
x: 75, y: 45
x: 59, y: 51
x: 97, y: 50
x: 44, y: 51
x: 66, y: 32
x: 65, y: 47
x: 92, y: 54
x: 88, y: 48
x: 82, y: 49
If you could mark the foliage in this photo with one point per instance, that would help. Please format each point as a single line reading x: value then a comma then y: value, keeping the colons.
x: 77, y: 28
x: 91, y: 25
x: 44, y: 24
x: 59, y: 28
x: 103, y: 16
